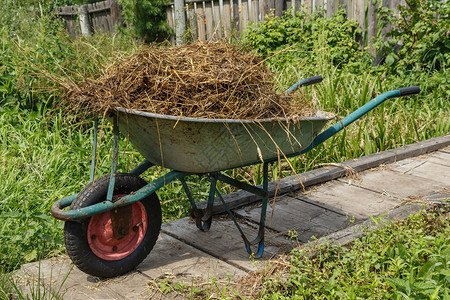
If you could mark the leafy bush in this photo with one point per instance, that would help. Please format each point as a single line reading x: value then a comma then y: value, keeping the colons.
x: 424, y: 29
x: 147, y: 19
x: 298, y: 37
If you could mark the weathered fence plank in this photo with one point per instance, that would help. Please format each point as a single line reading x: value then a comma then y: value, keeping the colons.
x: 263, y: 9
x: 95, y: 17
x: 209, y: 21
x: 215, y: 19
x: 297, y: 5
x: 279, y: 8
x: 255, y: 11
x: 170, y: 20
x: 201, y: 21
x: 193, y: 26
x: 227, y: 18
x: 358, y: 14
x: 307, y: 6
x: 243, y: 14
x: 236, y: 21
x: 84, y: 20
x: 372, y: 24
x: 332, y: 5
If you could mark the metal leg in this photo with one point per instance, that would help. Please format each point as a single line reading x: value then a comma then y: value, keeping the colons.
x: 114, y: 160
x: 94, y: 149
x: 197, y: 213
x: 141, y: 168
x: 207, y: 217
x: 230, y: 213
x: 260, y: 238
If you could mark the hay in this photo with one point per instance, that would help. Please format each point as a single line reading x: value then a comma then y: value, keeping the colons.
x: 201, y: 80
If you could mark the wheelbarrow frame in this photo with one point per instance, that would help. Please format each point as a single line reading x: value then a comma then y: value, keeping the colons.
x: 203, y: 219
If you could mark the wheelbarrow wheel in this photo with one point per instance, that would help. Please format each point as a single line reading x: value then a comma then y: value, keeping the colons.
x: 94, y: 246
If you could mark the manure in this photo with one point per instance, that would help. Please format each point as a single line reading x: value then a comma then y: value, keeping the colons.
x: 214, y: 80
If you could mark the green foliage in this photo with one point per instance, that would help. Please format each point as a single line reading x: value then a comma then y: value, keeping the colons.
x: 408, y: 259
x: 299, y: 35
x: 424, y: 28
x: 147, y: 19
x: 37, y: 55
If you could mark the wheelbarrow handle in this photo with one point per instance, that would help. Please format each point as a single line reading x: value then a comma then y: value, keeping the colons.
x: 304, y: 82
x: 412, y: 90
x: 341, y: 124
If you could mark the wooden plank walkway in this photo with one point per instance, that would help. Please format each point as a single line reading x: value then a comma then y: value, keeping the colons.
x: 334, y: 206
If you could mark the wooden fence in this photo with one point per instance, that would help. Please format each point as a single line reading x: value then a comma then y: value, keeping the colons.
x: 95, y: 17
x: 215, y: 19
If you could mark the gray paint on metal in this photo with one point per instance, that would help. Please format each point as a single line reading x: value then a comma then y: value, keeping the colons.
x: 209, y: 145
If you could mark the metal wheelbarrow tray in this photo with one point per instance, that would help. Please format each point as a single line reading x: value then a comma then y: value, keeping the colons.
x: 114, y: 222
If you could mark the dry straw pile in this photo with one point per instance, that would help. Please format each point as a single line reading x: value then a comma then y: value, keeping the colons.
x: 201, y: 80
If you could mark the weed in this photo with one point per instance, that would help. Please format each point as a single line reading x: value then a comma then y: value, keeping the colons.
x: 408, y: 258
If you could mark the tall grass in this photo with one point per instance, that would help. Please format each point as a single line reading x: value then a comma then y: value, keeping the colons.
x: 395, y: 123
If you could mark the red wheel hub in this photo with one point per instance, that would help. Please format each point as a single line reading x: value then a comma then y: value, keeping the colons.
x: 101, y: 239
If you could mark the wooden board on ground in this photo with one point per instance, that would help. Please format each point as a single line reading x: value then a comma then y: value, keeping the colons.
x: 291, y: 215
x: 439, y: 157
x: 350, y: 200
x: 58, y: 274
x: 317, y: 176
x: 394, y: 184
x: 188, y: 264
x: 432, y: 171
x: 224, y: 241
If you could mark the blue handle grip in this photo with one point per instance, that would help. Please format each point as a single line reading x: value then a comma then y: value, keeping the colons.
x: 304, y: 82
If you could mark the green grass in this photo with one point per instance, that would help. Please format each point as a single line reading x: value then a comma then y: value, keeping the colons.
x: 408, y: 259
x: 42, y: 162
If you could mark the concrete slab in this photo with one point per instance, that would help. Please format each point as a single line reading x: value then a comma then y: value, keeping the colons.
x: 53, y: 272
x: 395, y: 184
x: 130, y: 286
x: 291, y: 214
x: 353, y: 201
x: 224, y: 241
x: 57, y: 276
x: 171, y: 256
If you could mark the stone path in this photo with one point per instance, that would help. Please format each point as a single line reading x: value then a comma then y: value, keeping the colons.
x: 332, y: 207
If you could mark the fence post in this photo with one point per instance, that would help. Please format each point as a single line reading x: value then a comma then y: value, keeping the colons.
x: 84, y: 19
x: 180, y: 22
x: 116, y: 14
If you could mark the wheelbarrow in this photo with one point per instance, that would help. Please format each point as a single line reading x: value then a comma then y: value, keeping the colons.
x: 114, y: 222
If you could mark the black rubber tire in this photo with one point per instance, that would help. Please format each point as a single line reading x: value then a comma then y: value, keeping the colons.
x: 75, y: 232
